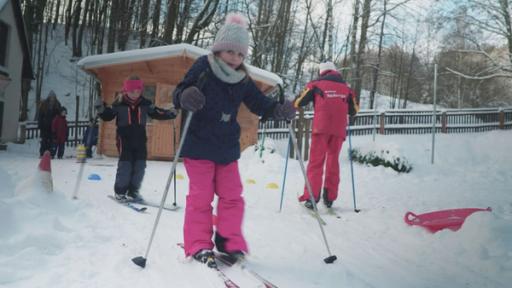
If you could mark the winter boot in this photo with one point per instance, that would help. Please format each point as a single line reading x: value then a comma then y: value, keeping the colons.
x: 120, y: 197
x: 207, y: 257
x: 327, y: 202
x: 309, y: 204
x: 134, y: 196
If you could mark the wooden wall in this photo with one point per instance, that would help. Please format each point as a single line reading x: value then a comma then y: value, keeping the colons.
x: 165, y: 74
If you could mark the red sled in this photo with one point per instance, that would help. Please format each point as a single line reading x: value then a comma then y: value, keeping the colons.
x: 438, y: 220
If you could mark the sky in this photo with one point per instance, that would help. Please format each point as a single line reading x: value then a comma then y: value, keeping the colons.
x: 50, y: 240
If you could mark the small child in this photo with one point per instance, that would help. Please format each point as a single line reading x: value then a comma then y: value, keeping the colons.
x: 131, y: 111
x: 214, y: 88
x: 59, y: 133
x: 90, y: 137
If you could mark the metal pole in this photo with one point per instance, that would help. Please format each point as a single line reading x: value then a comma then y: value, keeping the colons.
x: 434, y: 116
x: 331, y: 258
x: 141, y: 261
x: 284, y: 176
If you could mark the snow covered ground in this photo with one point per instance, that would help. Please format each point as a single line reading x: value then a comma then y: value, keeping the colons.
x: 50, y: 240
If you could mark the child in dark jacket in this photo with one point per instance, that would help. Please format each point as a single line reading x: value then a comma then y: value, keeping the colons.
x: 90, y: 137
x: 131, y: 112
x: 214, y: 88
x: 59, y: 133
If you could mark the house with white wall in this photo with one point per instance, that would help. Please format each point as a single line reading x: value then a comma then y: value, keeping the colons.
x: 15, y: 67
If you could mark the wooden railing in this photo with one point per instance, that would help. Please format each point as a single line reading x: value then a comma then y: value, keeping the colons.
x: 399, y: 122
x: 29, y: 130
x: 366, y: 123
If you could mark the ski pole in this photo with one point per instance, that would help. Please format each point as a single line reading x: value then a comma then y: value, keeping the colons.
x: 352, y: 167
x: 139, y: 260
x: 331, y: 258
x: 174, y: 146
x: 284, y: 176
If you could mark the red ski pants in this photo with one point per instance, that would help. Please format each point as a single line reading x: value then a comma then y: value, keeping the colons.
x: 325, y: 151
x: 208, y: 178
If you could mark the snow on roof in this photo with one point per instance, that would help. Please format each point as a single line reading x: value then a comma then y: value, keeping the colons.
x: 136, y: 55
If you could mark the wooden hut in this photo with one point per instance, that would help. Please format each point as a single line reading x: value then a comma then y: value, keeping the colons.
x: 161, y: 69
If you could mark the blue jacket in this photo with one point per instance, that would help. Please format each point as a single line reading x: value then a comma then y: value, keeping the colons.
x: 214, y: 131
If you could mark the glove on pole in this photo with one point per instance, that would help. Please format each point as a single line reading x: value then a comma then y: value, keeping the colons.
x: 141, y: 261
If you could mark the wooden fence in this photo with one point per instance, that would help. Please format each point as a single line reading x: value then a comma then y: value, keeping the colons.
x: 399, y: 122
x: 366, y: 123
x: 29, y: 130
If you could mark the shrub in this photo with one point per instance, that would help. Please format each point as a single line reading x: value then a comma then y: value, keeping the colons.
x: 382, y: 158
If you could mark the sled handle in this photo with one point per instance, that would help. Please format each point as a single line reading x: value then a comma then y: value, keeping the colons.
x: 408, y: 220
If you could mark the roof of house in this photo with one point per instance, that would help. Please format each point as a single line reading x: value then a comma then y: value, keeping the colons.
x: 145, y: 54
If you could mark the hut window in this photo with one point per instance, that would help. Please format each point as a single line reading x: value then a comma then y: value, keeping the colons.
x: 4, y: 29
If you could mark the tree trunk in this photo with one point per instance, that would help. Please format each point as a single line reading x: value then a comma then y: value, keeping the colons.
x: 183, y: 20
x: 77, y: 51
x: 57, y: 12
x: 112, y: 27
x: 376, y: 70
x: 362, y: 46
x: 143, y: 26
x: 203, y: 19
x: 156, y: 20
x: 69, y: 18
x: 172, y: 18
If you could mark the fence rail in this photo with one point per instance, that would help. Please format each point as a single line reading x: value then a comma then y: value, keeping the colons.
x: 367, y: 122
x: 399, y: 122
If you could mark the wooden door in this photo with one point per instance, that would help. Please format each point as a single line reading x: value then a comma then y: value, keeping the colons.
x: 162, y: 143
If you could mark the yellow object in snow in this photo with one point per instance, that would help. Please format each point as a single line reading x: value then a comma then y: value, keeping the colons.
x: 80, y: 154
x: 272, y: 186
x: 179, y: 177
x: 250, y: 181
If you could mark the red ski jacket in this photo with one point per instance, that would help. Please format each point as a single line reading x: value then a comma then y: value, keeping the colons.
x: 333, y: 101
x: 59, y: 129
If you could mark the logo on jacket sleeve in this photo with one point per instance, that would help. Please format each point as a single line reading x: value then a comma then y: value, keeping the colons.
x: 225, y: 117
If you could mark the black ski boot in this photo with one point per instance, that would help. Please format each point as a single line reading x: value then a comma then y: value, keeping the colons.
x: 207, y: 257
x: 327, y: 202
x: 309, y: 204
x: 134, y: 196
x: 233, y: 256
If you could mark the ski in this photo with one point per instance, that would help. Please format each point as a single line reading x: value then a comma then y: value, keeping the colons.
x: 226, y: 260
x: 313, y: 214
x: 227, y: 281
x: 151, y: 204
x: 332, y: 212
x: 129, y: 205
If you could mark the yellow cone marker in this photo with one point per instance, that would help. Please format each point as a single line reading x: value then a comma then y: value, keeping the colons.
x: 179, y: 177
x: 272, y: 186
x: 250, y: 181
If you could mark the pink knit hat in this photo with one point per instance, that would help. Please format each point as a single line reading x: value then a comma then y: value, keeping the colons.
x: 233, y: 35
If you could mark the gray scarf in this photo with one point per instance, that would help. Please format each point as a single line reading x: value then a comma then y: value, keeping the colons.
x: 224, y: 72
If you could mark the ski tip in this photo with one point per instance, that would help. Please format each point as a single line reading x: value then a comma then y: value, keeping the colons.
x: 139, y: 261
x: 330, y: 259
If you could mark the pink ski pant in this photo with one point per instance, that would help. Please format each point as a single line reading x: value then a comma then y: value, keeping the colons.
x: 207, y: 179
x: 325, y: 150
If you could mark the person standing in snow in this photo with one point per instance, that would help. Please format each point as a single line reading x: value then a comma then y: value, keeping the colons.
x: 131, y: 111
x: 48, y: 109
x: 333, y: 101
x: 213, y: 89
x: 90, y: 137
x: 59, y: 133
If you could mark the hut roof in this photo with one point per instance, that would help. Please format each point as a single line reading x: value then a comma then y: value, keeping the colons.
x: 169, y: 51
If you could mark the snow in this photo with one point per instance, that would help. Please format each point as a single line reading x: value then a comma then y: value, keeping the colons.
x: 167, y: 51
x: 50, y: 240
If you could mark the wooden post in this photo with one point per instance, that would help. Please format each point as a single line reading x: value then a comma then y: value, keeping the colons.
x: 382, y: 120
x: 23, y: 133
x: 444, y: 122
x: 501, y: 118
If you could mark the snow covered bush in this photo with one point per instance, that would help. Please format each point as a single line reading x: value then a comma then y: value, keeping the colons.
x: 382, y: 157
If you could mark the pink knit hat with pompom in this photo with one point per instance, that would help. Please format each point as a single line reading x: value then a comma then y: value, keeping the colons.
x: 233, y: 35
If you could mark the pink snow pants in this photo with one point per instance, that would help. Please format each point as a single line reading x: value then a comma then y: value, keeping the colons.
x: 207, y: 179
x: 325, y: 149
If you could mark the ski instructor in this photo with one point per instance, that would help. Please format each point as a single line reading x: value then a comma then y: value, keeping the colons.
x: 333, y: 101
